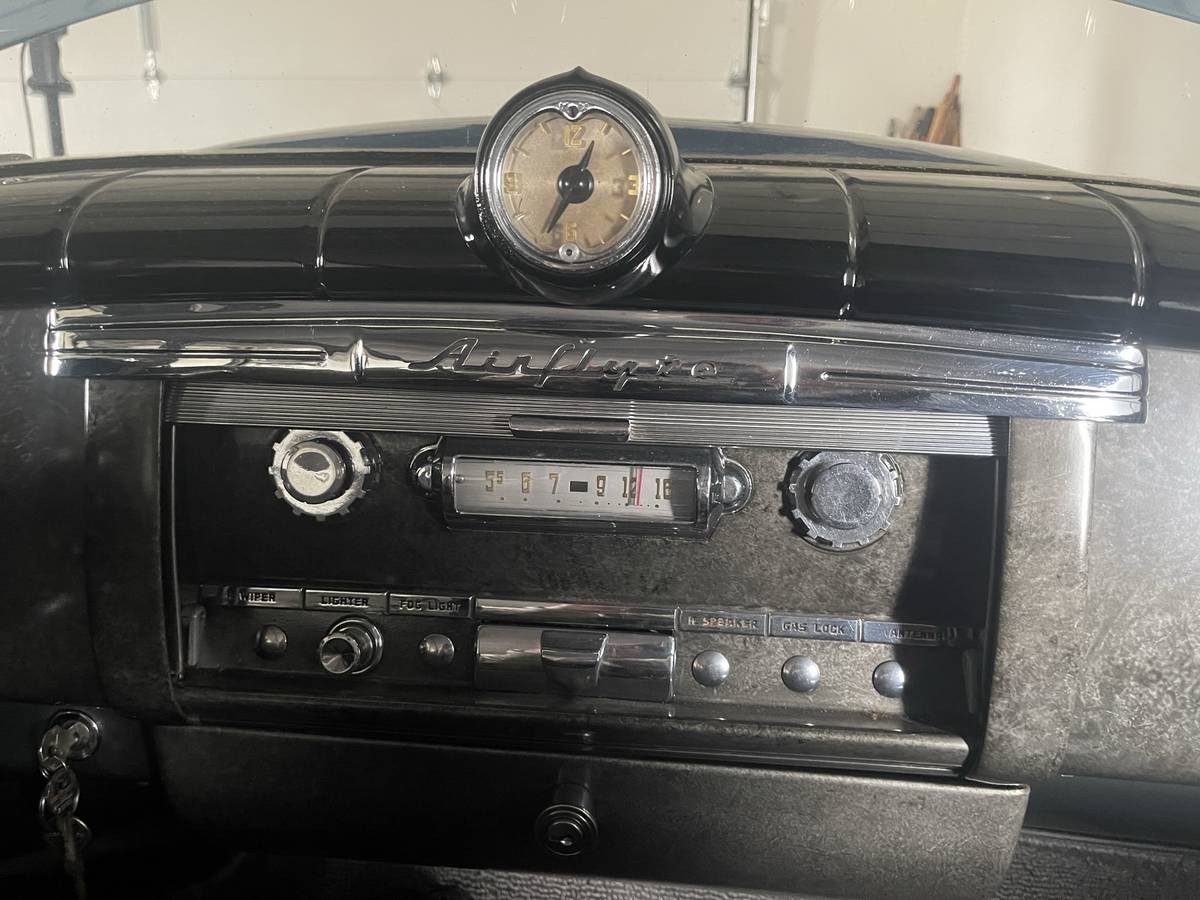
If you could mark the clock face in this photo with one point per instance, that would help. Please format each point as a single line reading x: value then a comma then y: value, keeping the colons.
x: 574, y: 190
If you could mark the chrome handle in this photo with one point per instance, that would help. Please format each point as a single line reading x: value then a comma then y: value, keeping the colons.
x: 571, y: 659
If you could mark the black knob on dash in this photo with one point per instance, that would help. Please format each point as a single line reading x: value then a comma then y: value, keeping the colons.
x: 567, y: 826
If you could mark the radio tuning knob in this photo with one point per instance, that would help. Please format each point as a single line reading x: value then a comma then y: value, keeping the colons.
x: 320, y: 473
x: 842, y: 500
x: 353, y: 646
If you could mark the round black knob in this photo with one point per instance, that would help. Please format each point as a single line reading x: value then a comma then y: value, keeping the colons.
x: 567, y: 827
x: 842, y: 500
x: 271, y: 642
x: 437, y: 651
x: 353, y: 646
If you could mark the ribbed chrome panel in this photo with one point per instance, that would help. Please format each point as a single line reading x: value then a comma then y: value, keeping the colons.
x: 520, y: 350
x: 658, y: 422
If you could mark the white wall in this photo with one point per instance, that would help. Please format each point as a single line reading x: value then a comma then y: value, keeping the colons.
x: 237, y: 70
x: 1092, y: 85
x: 1097, y: 86
x: 867, y: 60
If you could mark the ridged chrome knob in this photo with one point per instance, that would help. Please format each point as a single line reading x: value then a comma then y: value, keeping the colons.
x: 314, y: 470
x: 353, y: 646
x: 320, y: 473
x: 843, y: 500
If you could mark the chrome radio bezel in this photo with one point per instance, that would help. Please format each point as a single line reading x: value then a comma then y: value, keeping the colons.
x: 723, y: 486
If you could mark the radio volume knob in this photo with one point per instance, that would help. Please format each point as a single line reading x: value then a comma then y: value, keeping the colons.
x: 842, y: 500
x: 353, y: 646
x: 314, y: 471
x: 320, y: 473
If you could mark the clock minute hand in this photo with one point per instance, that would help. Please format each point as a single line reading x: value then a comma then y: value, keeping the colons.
x: 560, y: 207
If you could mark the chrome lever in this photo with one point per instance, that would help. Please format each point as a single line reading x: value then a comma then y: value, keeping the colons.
x: 571, y: 659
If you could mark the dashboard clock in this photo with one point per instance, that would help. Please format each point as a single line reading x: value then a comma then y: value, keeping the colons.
x: 578, y: 192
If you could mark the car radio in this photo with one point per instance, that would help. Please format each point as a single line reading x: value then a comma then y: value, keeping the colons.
x: 570, y: 564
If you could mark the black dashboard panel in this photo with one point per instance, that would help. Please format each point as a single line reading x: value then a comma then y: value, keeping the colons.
x: 44, y: 597
x: 911, y: 838
x: 274, y: 225
x: 997, y: 248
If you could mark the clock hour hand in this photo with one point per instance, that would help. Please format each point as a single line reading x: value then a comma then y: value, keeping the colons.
x: 575, y: 185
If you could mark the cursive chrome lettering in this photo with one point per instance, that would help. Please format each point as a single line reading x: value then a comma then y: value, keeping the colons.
x: 567, y: 360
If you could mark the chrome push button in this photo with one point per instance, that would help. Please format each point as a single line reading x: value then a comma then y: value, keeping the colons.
x: 801, y: 674
x: 711, y: 668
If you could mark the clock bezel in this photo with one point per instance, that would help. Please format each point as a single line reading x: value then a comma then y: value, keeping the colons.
x: 573, y: 105
x: 681, y: 208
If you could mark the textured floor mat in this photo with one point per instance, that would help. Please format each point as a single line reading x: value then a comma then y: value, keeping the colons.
x: 1051, y: 865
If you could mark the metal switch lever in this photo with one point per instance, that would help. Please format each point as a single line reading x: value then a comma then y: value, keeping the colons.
x: 627, y: 665
x: 571, y: 659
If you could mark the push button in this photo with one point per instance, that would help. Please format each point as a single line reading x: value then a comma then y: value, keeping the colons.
x: 711, y: 668
x: 270, y: 642
x: 437, y: 651
x: 889, y: 679
x: 801, y: 674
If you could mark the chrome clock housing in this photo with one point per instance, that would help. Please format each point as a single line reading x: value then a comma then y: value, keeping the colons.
x: 575, y: 106
x: 665, y: 210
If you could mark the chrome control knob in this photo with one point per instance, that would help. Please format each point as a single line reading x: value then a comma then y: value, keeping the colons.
x: 353, y: 646
x: 314, y: 471
x: 842, y: 500
x: 320, y: 473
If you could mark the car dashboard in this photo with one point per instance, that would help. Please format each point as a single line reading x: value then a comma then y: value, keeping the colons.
x: 773, y: 525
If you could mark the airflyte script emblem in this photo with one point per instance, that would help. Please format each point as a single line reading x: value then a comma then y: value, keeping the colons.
x: 567, y: 360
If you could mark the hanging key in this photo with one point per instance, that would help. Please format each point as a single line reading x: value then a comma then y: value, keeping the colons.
x: 60, y: 797
x: 69, y: 736
x: 68, y: 839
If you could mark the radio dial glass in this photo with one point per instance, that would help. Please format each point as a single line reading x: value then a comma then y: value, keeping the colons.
x: 574, y: 490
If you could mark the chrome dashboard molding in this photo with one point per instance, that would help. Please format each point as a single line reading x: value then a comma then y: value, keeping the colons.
x: 650, y: 422
x: 589, y: 353
x: 558, y: 612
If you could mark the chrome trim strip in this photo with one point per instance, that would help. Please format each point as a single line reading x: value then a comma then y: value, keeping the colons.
x: 343, y: 407
x: 594, y: 615
x: 569, y: 428
x: 600, y: 353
